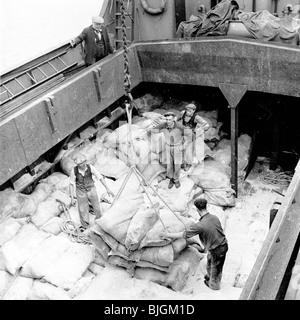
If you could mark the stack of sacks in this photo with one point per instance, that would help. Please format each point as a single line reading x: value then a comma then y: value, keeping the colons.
x: 109, y: 165
x: 90, y: 149
x: 16, y: 251
x: 38, y: 265
x: 211, y: 136
x: 176, y: 199
x: 14, y: 204
x: 50, y: 207
x: 214, y: 179
x: 141, y: 152
x: 174, y: 104
x: 128, y: 235
x: 49, y: 214
x: 222, y: 153
x: 39, y: 261
x: 149, y: 102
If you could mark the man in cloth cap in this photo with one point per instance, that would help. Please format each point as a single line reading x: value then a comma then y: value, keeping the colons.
x: 177, y: 138
x: 82, y: 180
x: 190, y: 120
x: 212, y: 237
x: 96, y: 41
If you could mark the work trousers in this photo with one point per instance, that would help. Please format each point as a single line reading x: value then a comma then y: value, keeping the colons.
x: 83, y: 199
x: 214, y: 267
x: 195, y: 148
x: 174, y: 162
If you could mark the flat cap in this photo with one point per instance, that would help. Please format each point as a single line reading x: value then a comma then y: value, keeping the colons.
x: 97, y: 19
x: 80, y: 158
x: 169, y: 113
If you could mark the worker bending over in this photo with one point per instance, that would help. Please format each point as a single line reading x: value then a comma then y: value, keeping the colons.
x: 212, y: 236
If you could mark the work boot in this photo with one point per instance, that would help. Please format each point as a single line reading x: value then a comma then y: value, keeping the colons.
x: 206, y: 283
x: 171, y: 184
x: 177, y: 184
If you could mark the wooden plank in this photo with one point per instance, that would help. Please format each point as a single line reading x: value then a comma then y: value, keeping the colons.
x: 268, y: 271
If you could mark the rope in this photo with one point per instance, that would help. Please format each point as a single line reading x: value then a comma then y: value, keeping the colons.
x: 276, y: 178
x: 75, y: 232
x: 149, y: 185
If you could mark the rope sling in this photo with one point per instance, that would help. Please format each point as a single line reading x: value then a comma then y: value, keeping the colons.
x: 130, y: 104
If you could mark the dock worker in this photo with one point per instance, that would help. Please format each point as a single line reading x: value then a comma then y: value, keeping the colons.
x: 82, y: 180
x: 191, y: 120
x: 177, y: 139
x: 96, y: 41
x: 212, y: 236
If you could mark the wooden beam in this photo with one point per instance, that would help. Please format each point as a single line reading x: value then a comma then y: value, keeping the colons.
x: 234, y: 149
x: 266, y: 276
x: 233, y: 94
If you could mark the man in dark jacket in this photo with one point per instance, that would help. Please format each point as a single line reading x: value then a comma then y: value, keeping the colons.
x: 212, y: 236
x: 96, y: 41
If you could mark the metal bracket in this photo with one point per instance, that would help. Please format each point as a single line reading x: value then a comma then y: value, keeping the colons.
x: 51, y: 112
x: 98, y: 82
x: 233, y: 93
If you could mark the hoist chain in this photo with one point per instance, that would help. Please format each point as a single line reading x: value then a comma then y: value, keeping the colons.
x: 127, y: 82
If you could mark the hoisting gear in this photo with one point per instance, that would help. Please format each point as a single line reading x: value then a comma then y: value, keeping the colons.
x: 129, y: 105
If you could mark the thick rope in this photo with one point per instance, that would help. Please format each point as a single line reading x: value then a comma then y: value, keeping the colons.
x: 75, y: 232
x: 276, y: 178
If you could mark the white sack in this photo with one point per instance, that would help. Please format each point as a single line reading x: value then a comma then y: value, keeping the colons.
x: 8, y: 230
x: 46, y: 291
x: 48, y: 253
x: 22, y: 247
x: 70, y: 267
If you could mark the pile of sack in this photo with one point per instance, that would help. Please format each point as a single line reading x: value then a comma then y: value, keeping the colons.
x: 37, y: 259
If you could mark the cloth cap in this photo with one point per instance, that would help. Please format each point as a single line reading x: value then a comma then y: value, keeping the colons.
x: 97, y: 19
x: 80, y: 158
x: 169, y: 113
x: 190, y: 106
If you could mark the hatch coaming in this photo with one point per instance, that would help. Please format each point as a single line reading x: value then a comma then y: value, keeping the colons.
x: 261, y: 67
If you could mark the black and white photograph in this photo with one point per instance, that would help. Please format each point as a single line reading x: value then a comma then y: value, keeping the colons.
x: 150, y: 152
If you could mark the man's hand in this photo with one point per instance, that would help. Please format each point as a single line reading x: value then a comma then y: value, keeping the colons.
x: 73, y: 202
x: 198, y: 247
x: 72, y: 43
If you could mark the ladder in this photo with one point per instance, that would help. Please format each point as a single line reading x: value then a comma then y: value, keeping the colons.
x: 32, y: 77
x: 130, y: 7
